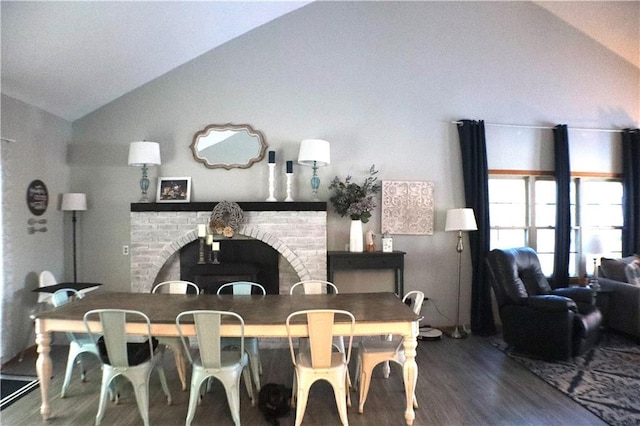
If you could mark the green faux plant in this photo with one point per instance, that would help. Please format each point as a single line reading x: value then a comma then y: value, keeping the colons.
x: 353, y: 200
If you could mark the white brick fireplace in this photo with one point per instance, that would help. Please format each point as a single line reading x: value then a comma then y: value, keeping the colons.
x: 297, y: 231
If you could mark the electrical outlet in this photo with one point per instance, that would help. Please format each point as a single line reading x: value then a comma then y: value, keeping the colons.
x: 125, y: 250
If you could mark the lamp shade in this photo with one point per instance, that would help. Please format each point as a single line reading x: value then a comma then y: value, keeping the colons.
x: 460, y: 220
x: 74, y: 201
x: 316, y: 150
x: 594, y: 245
x: 141, y: 153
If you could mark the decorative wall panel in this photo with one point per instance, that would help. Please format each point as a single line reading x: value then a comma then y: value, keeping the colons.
x: 407, y: 207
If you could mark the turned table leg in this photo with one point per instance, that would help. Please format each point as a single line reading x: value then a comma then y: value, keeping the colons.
x: 44, y: 368
x: 410, y: 375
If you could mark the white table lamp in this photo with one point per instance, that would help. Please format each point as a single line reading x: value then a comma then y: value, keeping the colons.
x: 315, y: 153
x: 143, y: 154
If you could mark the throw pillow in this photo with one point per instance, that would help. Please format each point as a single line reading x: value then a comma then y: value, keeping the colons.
x: 632, y: 270
x: 613, y: 269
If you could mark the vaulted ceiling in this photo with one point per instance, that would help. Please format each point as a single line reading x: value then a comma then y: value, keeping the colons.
x: 70, y: 58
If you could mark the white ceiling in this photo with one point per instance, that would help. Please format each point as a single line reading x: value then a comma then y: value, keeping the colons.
x: 70, y: 58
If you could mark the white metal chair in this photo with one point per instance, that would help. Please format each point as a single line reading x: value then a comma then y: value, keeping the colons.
x: 174, y: 343
x: 313, y: 287
x: 45, y: 279
x: 320, y: 362
x: 251, y: 344
x: 317, y: 287
x: 124, y: 355
x: 225, y: 365
x: 374, y: 352
x: 79, y: 343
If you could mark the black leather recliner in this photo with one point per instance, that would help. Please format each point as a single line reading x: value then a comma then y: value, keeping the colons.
x: 552, y: 324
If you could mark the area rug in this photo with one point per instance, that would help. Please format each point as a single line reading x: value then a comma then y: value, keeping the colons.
x: 606, y: 380
x: 12, y: 388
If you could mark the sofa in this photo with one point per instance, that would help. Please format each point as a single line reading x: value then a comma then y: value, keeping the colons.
x: 624, y: 305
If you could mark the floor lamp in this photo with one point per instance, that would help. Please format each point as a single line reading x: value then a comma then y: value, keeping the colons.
x: 459, y: 220
x: 74, y: 202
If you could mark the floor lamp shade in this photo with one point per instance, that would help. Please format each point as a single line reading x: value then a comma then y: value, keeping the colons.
x: 143, y: 154
x: 74, y: 201
x: 460, y: 220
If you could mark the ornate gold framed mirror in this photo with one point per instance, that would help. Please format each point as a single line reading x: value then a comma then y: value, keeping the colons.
x: 228, y: 146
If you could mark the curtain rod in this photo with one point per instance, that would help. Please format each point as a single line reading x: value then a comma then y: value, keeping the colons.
x: 522, y: 126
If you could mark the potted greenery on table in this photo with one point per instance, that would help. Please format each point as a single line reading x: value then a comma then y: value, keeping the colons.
x: 357, y: 202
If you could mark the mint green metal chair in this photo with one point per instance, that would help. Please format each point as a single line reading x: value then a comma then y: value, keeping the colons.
x: 125, y: 356
x: 212, y: 360
x: 251, y: 344
x: 174, y: 343
x: 79, y: 343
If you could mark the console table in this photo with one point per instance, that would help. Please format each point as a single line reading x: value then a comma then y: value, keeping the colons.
x: 346, y: 260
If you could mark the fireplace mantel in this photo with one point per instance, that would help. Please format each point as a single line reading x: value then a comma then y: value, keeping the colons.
x: 248, y: 206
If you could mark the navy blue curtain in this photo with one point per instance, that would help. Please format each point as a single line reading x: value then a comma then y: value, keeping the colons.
x: 473, y: 147
x: 631, y: 184
x: 563, y: 207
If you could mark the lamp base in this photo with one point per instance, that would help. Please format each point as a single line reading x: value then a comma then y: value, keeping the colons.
x: 458, y: 332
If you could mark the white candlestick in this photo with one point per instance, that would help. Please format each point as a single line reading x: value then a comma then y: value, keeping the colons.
x: 289, y: 178
x: 215, y: 246
x: 209, y: 239
x: 272, y: 177
x: 202, y: 230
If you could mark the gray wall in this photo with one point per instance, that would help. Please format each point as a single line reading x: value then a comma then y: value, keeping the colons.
x: 382, y: 82
x: 39, y: 152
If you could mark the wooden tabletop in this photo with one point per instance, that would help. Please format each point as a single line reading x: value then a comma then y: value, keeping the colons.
x: 263, y: 310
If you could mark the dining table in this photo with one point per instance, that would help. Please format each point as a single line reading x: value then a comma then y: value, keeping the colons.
x: 264, y: 317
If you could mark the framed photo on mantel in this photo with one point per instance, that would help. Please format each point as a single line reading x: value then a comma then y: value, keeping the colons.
x: 174, y: 190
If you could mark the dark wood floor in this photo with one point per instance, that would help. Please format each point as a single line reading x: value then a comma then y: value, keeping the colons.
x: 461, y: 382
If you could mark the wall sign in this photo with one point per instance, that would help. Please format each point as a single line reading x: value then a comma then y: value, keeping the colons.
x: 37, y: 197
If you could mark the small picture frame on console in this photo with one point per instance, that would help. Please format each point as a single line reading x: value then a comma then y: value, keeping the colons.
x: 174, y: 190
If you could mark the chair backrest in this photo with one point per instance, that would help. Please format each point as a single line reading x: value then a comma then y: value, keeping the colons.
x: 176, y: 287
x: 46, y: 278
x: 241, y: 288
x: 64, y: 296
x: 516, y: 274
x: 208, y: 325
x: 318, y: 325
x: 416, y: 297
x: 313, y: 287
x: 113, y: 323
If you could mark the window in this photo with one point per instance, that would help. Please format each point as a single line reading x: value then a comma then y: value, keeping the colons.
x: 522, y: 213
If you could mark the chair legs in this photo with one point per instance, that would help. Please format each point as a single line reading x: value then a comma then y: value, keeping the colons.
x: 231, y: 382
x: 75, y: 352
x: 300, y: 396
x: 139, y: 378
